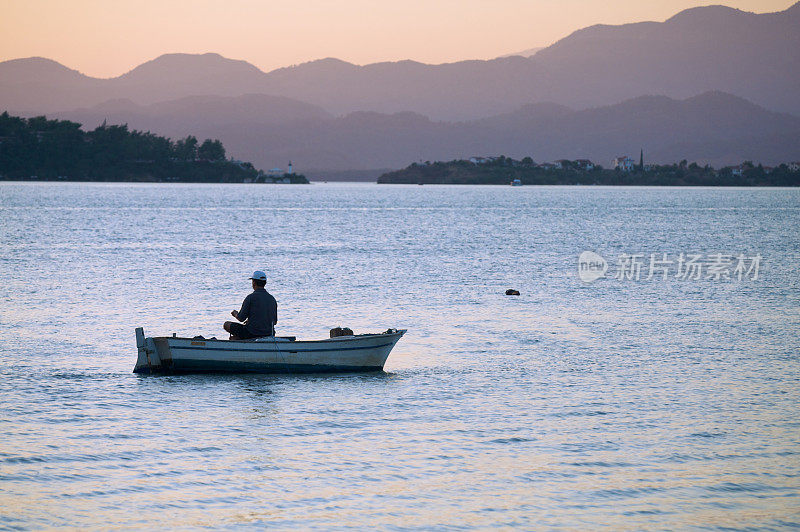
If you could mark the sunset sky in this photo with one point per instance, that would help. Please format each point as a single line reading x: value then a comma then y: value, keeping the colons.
x: 105, y: 38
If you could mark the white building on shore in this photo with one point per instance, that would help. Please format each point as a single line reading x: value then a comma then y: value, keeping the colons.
x: 623, y: 163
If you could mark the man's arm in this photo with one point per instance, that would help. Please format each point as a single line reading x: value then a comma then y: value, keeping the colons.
x: 243, y: 314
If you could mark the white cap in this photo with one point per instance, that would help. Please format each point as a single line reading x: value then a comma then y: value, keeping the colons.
x: 258, y: 275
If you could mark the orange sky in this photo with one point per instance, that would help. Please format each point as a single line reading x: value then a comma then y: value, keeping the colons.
x: 106, y: 38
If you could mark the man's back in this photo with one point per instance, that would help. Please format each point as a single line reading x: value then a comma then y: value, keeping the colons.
x: 261, y: 311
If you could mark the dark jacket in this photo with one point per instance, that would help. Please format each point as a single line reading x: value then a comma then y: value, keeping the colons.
x: 261, y: 311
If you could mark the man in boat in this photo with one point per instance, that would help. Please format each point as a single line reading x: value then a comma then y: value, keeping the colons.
x: 259, y: 312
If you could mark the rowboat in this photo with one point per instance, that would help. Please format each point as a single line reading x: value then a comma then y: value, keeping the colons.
x: 354, y: 353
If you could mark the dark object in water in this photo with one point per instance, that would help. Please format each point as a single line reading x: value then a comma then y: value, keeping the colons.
x: 341, y: 331
x: 512, y: 292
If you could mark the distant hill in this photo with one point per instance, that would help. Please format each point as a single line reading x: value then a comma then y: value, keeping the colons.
x: 176, y: 117
x: 714, y: 128
x: 526, y: 53
x: 176, y: 75
x: 268, y: 130
x: 754, y: 56
x: 37, y: 85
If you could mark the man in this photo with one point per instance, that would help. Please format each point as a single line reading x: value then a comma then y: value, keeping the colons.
x: 259, y: 312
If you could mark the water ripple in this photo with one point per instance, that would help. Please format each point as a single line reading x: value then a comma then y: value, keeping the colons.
x: 617, y: 405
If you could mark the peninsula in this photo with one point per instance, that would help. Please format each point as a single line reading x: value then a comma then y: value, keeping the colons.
x: 38, y: 149
x: 505, y: 170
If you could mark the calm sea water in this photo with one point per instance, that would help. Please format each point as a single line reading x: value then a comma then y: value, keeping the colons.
x: 618, y: 404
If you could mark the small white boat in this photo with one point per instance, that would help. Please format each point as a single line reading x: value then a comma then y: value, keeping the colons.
x: 172, y: 354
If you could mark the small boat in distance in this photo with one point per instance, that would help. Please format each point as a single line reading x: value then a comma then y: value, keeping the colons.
x: 516, y: 183
x: 272, y: 354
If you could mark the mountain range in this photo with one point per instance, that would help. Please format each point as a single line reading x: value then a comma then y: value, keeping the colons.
x: 333, y: 115
x: 715, y: 128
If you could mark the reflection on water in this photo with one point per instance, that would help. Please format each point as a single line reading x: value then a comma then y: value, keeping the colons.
x: 619, y: 404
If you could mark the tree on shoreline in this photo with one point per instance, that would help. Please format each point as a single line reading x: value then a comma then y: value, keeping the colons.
x: 211, y: 150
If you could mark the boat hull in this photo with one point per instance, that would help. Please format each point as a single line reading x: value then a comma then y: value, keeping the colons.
x: 360, y: 353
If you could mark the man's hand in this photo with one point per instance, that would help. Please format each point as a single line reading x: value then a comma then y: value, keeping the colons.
x: 235, y: 314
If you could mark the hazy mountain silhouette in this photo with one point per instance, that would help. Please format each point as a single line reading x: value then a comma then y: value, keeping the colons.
x: 756, y: 56
x: 181, y: 116
x: 526, y: 53
x: 39, y: 85
x: 714, y: 127
x: 175, y: 75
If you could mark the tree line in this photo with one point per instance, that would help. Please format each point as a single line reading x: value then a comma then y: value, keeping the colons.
x: 502, y: 170
x: 38, y: 148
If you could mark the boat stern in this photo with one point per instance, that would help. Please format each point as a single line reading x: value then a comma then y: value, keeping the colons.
x: 148, y: 359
